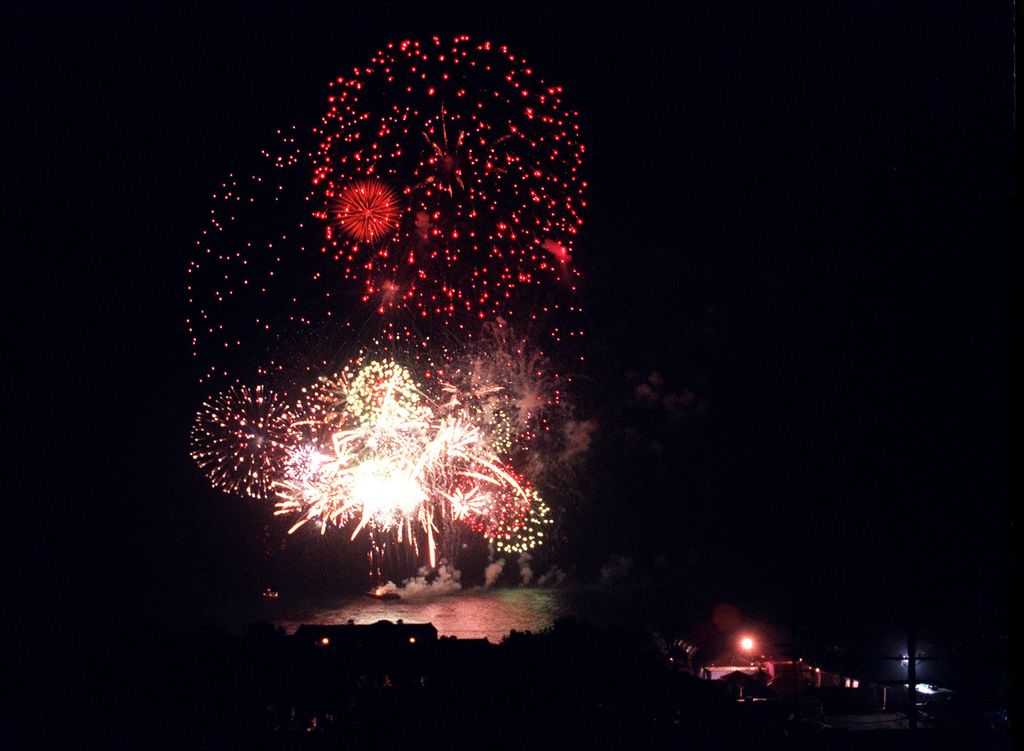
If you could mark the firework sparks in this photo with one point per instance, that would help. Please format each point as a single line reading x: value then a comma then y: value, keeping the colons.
x: 510, y: 388
x: 444, y: 183
x: 511, y: 522
x: 524, y: 530
x: 381, y: 386
x: 242, y: 439
x: 396, y: 465
x: 488, y: 159
x: 367, y: 210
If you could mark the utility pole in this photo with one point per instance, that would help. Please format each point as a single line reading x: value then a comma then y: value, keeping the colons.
x: 912, y: 677
x: 912, y: 659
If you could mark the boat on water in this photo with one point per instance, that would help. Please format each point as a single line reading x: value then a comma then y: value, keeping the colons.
x: 383, y: 594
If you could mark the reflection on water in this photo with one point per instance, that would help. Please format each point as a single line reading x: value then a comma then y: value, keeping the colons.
x: 467, y: 614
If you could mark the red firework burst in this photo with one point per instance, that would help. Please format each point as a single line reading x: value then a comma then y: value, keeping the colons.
x: 366, y: 210
x: 446, y: 178
x: 486, y: 158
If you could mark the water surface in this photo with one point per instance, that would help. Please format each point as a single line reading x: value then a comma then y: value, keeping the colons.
x: 468, y: 614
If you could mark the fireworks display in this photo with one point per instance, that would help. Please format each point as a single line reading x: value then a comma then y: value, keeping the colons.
x: 443, y: 181
x: 428, y: 219
x: 391, y: 464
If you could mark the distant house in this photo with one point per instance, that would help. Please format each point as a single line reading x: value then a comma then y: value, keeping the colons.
x: 728, y: 664
x: 382, y: 635
x: 791, y: 676
x: 784, y: 675
x: 751, y: 655
x: 465, y: 649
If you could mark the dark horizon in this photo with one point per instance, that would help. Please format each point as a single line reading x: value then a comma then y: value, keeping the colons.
x: 802, y: 219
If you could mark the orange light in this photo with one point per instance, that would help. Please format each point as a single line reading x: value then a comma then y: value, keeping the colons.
x: 412, y: 639
x: 325, y: 641
x: 746, y: 644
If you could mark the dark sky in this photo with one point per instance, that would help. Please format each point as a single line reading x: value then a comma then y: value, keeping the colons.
x: 799, y: 216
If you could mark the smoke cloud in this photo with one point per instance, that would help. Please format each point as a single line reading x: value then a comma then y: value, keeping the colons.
x: 525, y: 571
x: 445, y: 580
x: 653, y: 393
x: 553, y: 575
x: 492, y: 572
x: 578, y: 437
x: 559, y: 251
x: 617, y: 568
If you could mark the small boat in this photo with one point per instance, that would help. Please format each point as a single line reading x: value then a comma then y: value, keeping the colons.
x: 382, y: 594
x: 271, y: 594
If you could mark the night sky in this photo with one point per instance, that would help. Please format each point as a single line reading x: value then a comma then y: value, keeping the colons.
x: 798, y: 229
